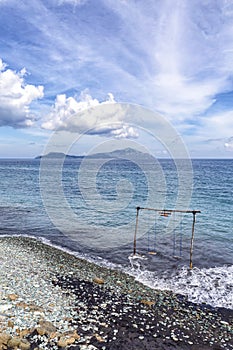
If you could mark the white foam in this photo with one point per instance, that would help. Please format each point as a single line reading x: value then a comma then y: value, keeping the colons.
x: 134, y: 260
x: 213, y: 286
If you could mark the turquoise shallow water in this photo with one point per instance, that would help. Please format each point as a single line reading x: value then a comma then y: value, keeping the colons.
x: 103, y: 203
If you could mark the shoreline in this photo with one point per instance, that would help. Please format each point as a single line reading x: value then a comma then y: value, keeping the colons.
x: 80, y: 305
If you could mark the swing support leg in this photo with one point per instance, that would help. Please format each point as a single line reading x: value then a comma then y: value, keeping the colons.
x: 192, y: 241
x: 135, y: 234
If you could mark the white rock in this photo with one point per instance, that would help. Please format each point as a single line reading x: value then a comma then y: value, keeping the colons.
x: 5, y: 307
x: 174, y: 337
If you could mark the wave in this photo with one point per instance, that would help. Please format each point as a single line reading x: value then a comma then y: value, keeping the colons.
x: 212, y: 286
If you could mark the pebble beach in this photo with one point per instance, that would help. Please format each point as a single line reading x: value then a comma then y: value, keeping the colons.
x: 50, y: 299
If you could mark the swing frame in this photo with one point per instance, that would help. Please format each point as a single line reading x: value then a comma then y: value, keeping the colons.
x: 167, y: 213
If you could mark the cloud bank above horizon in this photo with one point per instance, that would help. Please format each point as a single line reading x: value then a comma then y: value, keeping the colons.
x: 59, y: 57
x: 16, y: 97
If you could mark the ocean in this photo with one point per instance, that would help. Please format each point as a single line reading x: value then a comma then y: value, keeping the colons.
x: 90, y: 211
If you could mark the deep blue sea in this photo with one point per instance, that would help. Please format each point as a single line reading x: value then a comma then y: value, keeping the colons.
x: 90, y: 211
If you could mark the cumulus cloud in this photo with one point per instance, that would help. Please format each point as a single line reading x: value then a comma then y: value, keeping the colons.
x: 72, y: 115
x: 124, y: 132
x: 176, y: 62
x: 16, y: 97
x: 2, y: 65
x: 172, y: 57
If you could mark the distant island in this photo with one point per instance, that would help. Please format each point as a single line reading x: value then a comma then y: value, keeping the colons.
x: 57, y: 155
x: 117, y: 154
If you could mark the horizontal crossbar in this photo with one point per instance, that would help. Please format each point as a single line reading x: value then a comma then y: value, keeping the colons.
x: 170, y: 210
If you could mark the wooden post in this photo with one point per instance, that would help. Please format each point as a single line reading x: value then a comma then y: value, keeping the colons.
x: 135, y: 234
x: 192, y: 241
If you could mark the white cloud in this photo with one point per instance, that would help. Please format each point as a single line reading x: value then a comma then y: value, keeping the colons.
x: 211, y: 135
x: 16, y: 97
x: 124, y: 132
x: 69, y: 114
x: 65, y: 107
x: 229, y: 145
x: 170, y: 56
x: 219, y: 125
x: 2, y: 65
x: 225, y: 143
x: 173, y: 57
x: 187, y: 51
x: 189, y: 70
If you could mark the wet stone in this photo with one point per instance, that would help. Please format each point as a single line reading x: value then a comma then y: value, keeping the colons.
x: 57, y: 301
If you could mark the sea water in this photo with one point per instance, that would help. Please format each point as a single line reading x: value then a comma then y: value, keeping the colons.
x: 104, y: 203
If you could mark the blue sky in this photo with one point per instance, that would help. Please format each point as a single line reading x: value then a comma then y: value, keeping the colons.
x: 58, y: 57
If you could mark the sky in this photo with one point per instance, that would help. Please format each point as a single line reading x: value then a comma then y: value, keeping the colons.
x: 60, y: 57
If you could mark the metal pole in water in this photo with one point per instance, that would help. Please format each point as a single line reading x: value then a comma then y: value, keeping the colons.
x: 192, y: 241
x: 135, y: 234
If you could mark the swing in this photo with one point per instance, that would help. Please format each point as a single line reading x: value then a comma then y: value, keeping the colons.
x: 166, y: 213
x: 163, y: 213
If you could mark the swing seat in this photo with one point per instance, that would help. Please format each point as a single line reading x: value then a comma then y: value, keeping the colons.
x: 152, y: 253
x: 165, y: 214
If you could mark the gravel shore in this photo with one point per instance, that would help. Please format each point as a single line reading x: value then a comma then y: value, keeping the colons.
x: 50, y: 299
